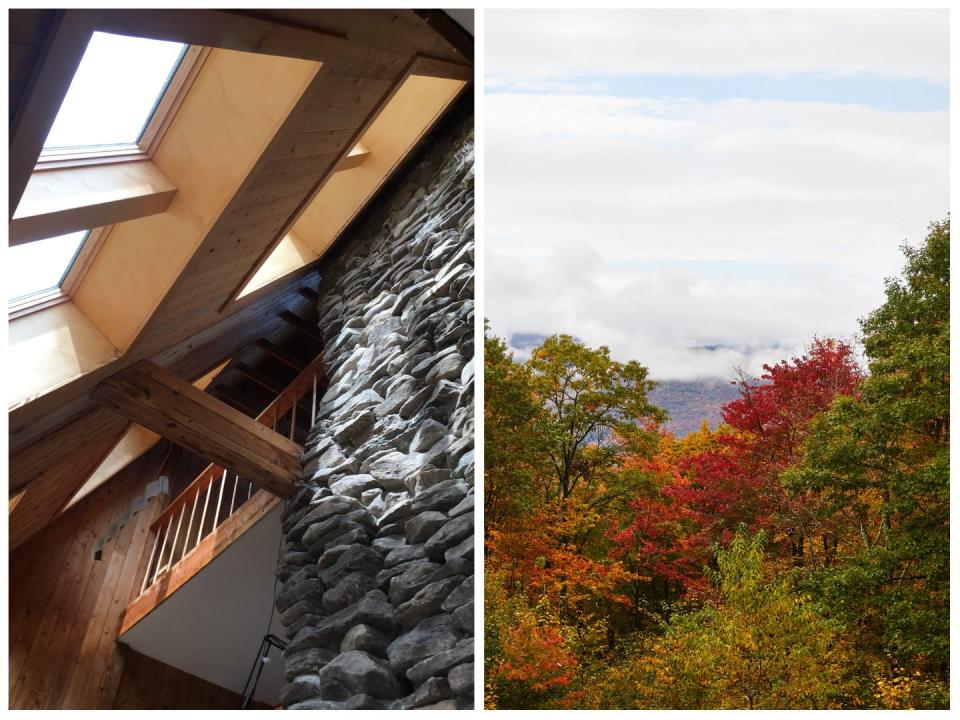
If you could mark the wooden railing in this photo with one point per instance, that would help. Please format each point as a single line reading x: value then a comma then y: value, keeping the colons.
x: 216, y: 493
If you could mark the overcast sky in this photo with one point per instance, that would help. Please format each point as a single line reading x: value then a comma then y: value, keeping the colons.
x: 702, y: 190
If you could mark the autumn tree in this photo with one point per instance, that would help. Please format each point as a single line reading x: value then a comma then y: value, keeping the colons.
x: 760, y: 645
x: 888, y: 449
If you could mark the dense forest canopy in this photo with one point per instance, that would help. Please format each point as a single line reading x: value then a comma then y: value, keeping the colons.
x: 796, y: 556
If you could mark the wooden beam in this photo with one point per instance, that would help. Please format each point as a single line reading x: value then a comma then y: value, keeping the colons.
x: 66, y: 43
x: 227, y: 394
x: 224, y: 29
x: 278, y: 353
x: 267, y: 383
x: 303, y: 326
x: 450, y: 30
x: 173, y: 408
x: 310, y: 294
x: 355, y: 158
x: 57, y: 202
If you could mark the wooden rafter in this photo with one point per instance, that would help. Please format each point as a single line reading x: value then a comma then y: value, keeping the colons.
x: 66, y: 43
x: 223, y: 29
x: 278, y: 353
x: 301, y: 325
x: 173, y: 408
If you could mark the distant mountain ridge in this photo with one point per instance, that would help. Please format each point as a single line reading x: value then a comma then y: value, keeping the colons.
x: 690, y: 402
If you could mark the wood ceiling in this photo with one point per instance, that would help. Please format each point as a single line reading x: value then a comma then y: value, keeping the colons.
x: 58, y: 439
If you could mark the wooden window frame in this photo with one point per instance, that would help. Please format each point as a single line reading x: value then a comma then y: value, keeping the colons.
x: 160, y: 119
x: 173, y: 95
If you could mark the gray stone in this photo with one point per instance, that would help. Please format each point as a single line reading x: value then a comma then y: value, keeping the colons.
x: 426, y: 602
x: 464, y: 550
x: 366, y: 638
x: 306, y: 662
x: 325, y: 508
x: 357, y: 558
x: 427, y: 435
x: 464, y: 506
x: 463, y: 618
x: 354, y: 485
x: 348, y: 591
x: 460, y: 595
x: 390, y: 455
x: 305, y: 687
x: 440, y: 663
x: 432, y: 691
x: 441, y: 497
x: 460, y: 679
x: 449, y: 535
x: 404, y: 553
x: 354, y: 427
x: 430, y: 638
x: 307, y: 589
x: 425, y: 477
x: 357, y: 672
x: 421, y: 527
x: 446, y: 368
x: 415, y: 575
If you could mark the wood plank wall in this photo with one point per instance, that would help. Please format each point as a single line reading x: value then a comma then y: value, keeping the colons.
x: 65, y: 607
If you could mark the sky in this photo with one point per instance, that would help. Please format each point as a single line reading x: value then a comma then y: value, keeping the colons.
x: 706, y: 190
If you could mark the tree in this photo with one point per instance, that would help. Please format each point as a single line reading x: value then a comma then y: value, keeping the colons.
x: 597, y: 411
x: 759, y: 645
x: 888, y: 450
x: 513, y: 447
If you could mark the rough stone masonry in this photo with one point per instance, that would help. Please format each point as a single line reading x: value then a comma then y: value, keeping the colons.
x: 377, y: 561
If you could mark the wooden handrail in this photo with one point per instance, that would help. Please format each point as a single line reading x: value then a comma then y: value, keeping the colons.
x: 310, y: 380
x: 283, y: 403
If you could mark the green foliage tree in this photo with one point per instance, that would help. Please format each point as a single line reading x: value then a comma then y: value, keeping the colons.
x: 513, y: 448
x: 887, y: 453
x: 758, y: 645
x: 597, y: 411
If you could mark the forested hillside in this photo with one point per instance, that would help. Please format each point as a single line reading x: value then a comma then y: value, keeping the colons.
x: 794, y: 556
x: 690, y: 403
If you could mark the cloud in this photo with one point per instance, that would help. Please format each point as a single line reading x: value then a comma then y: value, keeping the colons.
x: 560, y: 44
x: 658, y: 226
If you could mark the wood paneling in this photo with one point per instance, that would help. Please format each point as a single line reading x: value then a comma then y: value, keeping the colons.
x: 66, y: 607
x: 173, y: 408
x: 53, y: 482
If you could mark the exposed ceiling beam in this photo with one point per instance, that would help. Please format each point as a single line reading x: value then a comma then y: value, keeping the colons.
x: 278, y: 353
x: 303, y: 326
x: 173, y: 408
x: 261, y: 379
x: 223, y: 29
x: 57, y: 202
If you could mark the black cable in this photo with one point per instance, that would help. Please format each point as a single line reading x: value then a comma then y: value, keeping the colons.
x: 269, y: 640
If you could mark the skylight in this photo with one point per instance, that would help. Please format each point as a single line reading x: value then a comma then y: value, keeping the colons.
x: 114, y: 92
x: 42, y: 264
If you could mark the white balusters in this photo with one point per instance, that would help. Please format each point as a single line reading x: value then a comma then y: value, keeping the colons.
x: 146, y: 575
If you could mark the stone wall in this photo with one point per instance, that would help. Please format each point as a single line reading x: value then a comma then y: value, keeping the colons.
x: 377, y: 561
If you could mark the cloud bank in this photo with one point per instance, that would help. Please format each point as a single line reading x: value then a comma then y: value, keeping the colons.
x: 692, y: 234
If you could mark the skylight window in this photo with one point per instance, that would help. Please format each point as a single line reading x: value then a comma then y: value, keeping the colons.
x: 114, y: 93
x: 41, y: 265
